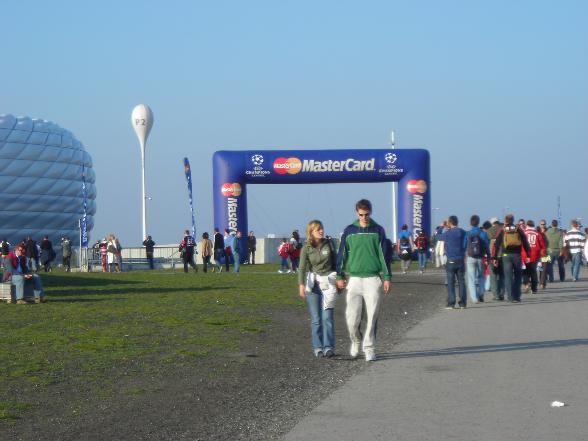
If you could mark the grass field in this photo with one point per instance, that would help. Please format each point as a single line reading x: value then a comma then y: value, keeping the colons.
x: 130, y: 323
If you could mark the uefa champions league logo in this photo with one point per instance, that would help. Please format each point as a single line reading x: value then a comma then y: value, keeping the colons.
x: 390, y: 158
x: 257, y: 160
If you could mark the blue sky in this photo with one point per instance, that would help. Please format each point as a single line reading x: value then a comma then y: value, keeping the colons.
x: 496, y: 91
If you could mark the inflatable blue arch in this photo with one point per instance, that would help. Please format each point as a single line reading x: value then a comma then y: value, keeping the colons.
x: 234, y: 170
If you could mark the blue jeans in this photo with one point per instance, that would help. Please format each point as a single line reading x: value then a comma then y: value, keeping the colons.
x: 237, y: 263
x: 422, y: 261
x: 322, y: 326
x: 576, y: 264
x: 285, y: 263
x: 511, y: 267
x: 554, y: 255
x: 456, y: 268
x: 476, y: 274
x: 18, y: 281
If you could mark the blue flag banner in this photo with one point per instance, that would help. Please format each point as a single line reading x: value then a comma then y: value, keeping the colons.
x: 189, y: 180
x: 85, y: 213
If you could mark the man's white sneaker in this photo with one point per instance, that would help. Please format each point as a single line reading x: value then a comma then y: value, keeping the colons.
x: 354, y: 350
x: 370, y: 355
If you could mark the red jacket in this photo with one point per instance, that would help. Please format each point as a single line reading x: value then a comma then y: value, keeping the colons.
x: 23, y: 262
x: 536, y: 244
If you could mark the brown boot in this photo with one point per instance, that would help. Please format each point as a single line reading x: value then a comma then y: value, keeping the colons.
x: 21, y: 302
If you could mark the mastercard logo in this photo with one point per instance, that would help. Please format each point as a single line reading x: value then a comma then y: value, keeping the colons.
x: 287, y: 165
x: 417, y: 186
x: 229, y: 189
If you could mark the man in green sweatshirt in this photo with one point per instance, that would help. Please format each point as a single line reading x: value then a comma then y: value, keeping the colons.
x: 363, y: 272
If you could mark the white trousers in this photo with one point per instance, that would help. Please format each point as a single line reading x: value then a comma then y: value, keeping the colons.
x: 361, y: 290
x: 440, y: 253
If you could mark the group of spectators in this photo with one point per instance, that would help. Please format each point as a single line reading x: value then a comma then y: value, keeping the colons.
x: 226, y: 250
x: 508, y: 258
x: 289, y: 250
x: 109, y: 251
x: 39, y: 255
x: 22, y: 262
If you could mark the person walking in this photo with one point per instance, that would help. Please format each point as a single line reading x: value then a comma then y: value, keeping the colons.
x: 47, y: 254
x: 362, y: 271
x: 4, y: 250
x: 317, y: 285
x: 187, y: 251
x: 404, y: 248
x: 545, y: 259
x: 149, y: 245
x: 111, y: 256
x: 251, y: 247
x: 218, y: 249
x: 422, y: 246
x: 32, y: 254
x: 237, y: 246
x: 283, y: 252
x: 537, y: 247
x: 455, y: 240
x: 496, y: 275
x: 477, y: 248
x: 510, y: 241
x: 440, y: 257
x: 294, y: 250
x: 205, y: 251
x: 554, y: 237
x: 66, y: 253
x: 575, y: 240
x: 228, y: 242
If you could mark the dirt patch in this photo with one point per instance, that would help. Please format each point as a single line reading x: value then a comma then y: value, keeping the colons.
x: 256, y: 393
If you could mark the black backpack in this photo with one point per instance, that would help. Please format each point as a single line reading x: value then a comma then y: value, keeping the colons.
x: 475, y: 246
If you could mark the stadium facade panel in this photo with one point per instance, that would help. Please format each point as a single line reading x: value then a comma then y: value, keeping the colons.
x: 41, y: 178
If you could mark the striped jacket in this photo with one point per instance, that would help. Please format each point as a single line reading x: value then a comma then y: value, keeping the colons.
x: 575, y: 240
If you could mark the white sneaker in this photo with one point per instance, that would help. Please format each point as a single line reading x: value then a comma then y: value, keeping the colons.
x: 354, y: 350
x: 280, y: 271
x: 370, y: 355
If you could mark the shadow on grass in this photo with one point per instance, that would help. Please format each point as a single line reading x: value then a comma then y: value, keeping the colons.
x: 133, y: 291
x: 70, y: 281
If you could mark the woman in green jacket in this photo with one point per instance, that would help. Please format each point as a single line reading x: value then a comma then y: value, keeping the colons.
x: 317, y: 284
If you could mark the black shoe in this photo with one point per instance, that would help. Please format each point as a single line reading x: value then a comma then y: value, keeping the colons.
x: 481, y: 300
x: 515, y: 301
x: 329, y: 353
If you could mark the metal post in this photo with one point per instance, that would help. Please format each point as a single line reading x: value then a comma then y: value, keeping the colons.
x: 394, y: 198
x: 80, y: 248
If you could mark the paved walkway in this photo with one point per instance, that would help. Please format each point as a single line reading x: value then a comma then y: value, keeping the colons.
x: 486, y: 373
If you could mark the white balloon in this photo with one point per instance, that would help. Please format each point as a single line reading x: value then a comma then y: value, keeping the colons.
x: 142, y: 120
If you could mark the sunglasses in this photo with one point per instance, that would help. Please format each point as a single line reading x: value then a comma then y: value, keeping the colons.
x: 364, y: 214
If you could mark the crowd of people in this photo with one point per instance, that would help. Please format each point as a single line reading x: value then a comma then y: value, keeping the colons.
x: 109, y: 251
x: 225, y: 250
x: 506, y: 258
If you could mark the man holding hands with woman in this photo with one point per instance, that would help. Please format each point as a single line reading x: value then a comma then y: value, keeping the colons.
x: 359, y: 269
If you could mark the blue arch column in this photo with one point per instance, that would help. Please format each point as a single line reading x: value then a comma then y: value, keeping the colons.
x: 233, y: 170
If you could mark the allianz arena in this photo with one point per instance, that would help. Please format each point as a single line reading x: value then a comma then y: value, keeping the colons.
x: 41, y: 168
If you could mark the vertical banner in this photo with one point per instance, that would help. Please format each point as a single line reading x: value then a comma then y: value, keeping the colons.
x: 84, y: 225
x: 189, y: 180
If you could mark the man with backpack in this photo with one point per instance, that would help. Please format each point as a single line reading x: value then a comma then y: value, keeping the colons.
x: 422, y: 244
x: 510, y: 240
x: 404, y: 248
x: 476, y: 243
x: 496, y: 276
